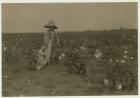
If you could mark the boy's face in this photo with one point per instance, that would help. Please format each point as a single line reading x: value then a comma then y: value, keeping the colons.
x: 51, y: 28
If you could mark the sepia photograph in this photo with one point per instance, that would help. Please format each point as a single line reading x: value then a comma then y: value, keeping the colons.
x: 69, y: 49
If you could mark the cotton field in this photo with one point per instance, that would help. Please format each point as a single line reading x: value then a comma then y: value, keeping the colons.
x: 100, y: 63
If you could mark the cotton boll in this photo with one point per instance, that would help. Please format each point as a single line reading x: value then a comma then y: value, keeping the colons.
x: 110, y: 60
x: 125, y: 56
x: 125, y: 51
x: 106, y: 81
x: 131, y: 58
x: 123, y: 61
x: 29, y: 80
x: 98, y: 54
x: 38, y: 68
x: 82, y: 48
x: 117, y: 61
x: 5, y: 48
x: 119, y: 86
x: 60, y: 57
x: 63, y: 55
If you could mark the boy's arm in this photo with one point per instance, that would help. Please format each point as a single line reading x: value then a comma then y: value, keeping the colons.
x: 57, y: 39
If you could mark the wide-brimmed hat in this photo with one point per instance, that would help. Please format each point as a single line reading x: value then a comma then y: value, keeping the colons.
x: 51, y: 23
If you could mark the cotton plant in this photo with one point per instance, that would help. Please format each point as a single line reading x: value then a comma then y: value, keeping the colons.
x: 98, y: 53
x: 61, y: 56
x: 125, y: 57
x: 42, y: 58
x: 83, y: 48
x: 5, y: 47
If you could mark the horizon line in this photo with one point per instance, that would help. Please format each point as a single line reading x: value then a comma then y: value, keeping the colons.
x: 77, y: 30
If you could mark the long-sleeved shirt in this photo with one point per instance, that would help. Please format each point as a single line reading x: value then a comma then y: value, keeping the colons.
x: 47, y: 36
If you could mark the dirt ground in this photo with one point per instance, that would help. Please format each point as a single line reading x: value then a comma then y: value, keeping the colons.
x: 52, y: 81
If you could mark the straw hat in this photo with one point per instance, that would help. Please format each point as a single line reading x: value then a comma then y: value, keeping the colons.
x: 51, y: 23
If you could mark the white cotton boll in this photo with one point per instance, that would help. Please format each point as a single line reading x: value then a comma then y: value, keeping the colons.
x: 60, y: 57
x: 82, y: 48
x: 5, y: 48
x: 123, y: 61
x: 119, y: 86
x: 38, y: 68
x: 110, y: 60
x: 106, y: 81
x: 63, y: 55
x: 131, y: 58
x: 117, y: 61
x: 125, y: 51
x: 125, y: 56
x: 98, y: 54
x: 29, y: 80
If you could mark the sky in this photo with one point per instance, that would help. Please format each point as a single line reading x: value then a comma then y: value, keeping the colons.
x: 68, y: 17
